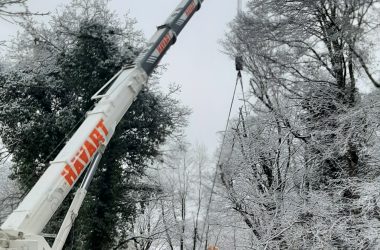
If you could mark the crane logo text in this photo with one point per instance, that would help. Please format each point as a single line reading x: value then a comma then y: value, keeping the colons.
x: 190, y: 9
x: 164, y: 43
x: 84, y: 154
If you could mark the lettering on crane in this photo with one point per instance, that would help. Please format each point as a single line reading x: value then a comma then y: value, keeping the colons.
x: 164, y: 43
x: 84, y: 154
x: 190, y: 9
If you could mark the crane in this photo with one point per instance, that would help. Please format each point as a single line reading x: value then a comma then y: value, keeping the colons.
x: 82, y: 153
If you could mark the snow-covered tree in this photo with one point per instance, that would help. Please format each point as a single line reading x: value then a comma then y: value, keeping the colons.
x: 295, y: 169
x: 175, y: 216
x: 14, y: 8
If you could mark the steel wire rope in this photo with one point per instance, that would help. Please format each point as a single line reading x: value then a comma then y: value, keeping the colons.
x: 220, y: 156
x: 243, y: 94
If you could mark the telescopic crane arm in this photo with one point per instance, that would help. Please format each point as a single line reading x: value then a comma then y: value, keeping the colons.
x: 22, y: 228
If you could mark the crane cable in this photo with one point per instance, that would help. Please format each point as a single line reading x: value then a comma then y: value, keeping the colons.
x: 238, y: 77
x: 243, y: 95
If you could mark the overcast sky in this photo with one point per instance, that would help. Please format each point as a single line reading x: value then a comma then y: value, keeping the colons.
x: 195, y: 62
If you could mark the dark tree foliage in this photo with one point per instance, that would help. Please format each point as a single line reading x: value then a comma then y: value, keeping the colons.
x: 44, y: 98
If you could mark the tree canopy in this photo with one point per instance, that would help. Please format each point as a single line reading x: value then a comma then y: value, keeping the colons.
x: 300, y: 162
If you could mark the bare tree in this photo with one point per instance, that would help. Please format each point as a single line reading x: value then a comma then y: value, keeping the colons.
x: 304, y: 58
x: 14, y: 9
x: 306, y: 142
x: 173, y: 217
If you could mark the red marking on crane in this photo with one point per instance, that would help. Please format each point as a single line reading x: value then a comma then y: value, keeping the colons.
x: 91, y: 149
x: 84, y: 154
x: 190, y: 9
x: 164, y: 43
x: 69, y: 174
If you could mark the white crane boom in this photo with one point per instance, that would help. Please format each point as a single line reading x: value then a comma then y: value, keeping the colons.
x: 22, y: 228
